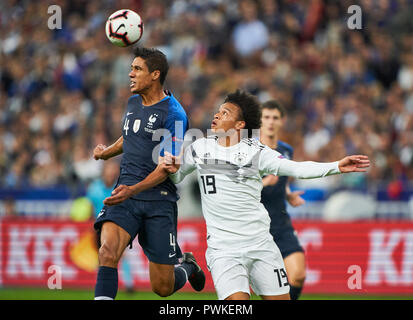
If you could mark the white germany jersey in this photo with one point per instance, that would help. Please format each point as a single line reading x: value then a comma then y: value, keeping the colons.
x: 230, y: 181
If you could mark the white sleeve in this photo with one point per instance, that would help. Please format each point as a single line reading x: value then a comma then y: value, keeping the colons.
x: 272, y: 162
x: 187, y: 166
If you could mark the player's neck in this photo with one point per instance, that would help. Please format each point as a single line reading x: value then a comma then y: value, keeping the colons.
x: 271, y: 141
x: 228, y: 141
x: 152, y: 95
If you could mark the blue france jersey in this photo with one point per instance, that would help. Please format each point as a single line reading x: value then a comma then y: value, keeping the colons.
x: 274, y: 197
x: 149, y: 131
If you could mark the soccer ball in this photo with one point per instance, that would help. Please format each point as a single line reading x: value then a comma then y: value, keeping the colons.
x: 124, y: 28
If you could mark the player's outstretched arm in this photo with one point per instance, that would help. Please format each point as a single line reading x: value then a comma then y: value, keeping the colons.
x: 103, y: 152
x: 311, y: 169
x: 356, y: 163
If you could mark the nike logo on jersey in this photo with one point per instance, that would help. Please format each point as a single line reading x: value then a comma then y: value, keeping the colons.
x: 172, y: 255
x: 100, y: 213
x: 129, y: 113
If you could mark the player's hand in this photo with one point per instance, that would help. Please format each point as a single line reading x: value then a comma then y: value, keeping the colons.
x: 171, y: 163
x: 356, y: 163
x: 119, y: 194
x: 98, y: 152
x: 269, y: 180
x: 294, y: 198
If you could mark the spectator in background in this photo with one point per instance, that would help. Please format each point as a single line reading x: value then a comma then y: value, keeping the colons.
x: 316, y: 138
x: 101, y: 188
x: 250, y: 35
x: 9, y: 208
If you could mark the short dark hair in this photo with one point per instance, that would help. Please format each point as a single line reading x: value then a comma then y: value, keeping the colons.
x: 249, y: 107
x: 272, y: 105
x: 154, y: 59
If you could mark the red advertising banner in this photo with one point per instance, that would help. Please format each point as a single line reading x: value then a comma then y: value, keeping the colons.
x: 362, y: 257
x: 34, y: 251
x: 369, y: 257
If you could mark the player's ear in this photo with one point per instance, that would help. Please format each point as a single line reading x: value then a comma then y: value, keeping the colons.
x: 240, y: 124
x: 155, y: 75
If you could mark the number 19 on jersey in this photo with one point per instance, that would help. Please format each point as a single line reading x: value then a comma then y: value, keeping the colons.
x: 208, y: 184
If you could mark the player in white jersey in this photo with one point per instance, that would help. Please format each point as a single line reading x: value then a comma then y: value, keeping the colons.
x: 241, y: 251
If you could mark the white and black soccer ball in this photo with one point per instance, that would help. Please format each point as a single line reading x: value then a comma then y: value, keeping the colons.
x: 124, y: 28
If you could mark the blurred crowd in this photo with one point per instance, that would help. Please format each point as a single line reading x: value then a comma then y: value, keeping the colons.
x: 63, y: 91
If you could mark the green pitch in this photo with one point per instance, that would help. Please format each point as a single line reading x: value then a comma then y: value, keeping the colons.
x: 71, y: 294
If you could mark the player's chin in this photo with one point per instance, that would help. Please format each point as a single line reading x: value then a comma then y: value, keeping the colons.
x: 215, y: 129
x: 134, y: 87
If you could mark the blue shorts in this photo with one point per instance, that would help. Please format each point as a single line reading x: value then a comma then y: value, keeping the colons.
x: 155, y: 223
x: 285, y: 237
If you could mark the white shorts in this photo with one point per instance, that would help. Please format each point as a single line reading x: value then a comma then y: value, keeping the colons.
x: 260, y: 266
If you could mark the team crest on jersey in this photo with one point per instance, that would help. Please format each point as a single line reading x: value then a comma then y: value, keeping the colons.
x: 152, y: 119
x: 240, y: 158
x: 136, y: 125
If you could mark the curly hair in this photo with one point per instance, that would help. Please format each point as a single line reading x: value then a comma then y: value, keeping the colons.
x: 250, y: 109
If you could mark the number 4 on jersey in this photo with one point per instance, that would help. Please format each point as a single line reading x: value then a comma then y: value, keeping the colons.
x: 172, y: 241
x: 126, y: 126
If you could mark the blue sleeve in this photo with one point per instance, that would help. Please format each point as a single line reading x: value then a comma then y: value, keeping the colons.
x: 291, y: 152
x: 177, y: 125
x: 288, y: 149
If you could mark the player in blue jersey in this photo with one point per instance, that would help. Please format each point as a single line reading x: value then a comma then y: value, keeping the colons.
x: 152, y: 214
x: 274, y: 195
